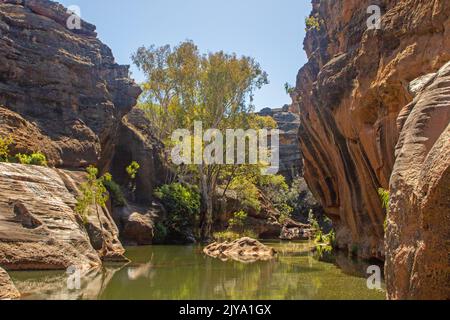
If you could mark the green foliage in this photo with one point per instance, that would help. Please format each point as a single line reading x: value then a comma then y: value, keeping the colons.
x: 323, y: 252
x: 247, y: 192
x: 5, y: 143
x: 117, y: 196
x: 324, y: 242
x: 133, y: 169
x: 232, y: 235
x: 285, y: 212
x: 160, y: 233
x: 92, y: 193
x: 184, y: 86
x: 289, y: 88
x: 384, y: 197
x: 312, y: 23
x: 182, y: 204
x: 275, y: 188
x: 238, y: 221
x: 36, y: 159
x: 354, y: 250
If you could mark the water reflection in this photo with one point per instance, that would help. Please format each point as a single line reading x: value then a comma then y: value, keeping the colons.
x: 177, y: 272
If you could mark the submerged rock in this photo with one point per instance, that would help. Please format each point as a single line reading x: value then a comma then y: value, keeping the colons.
x: 7, y: 289
x: 242, y: 250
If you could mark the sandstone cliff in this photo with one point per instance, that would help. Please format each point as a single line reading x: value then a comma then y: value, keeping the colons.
x: 418, y: 233
x: 39, y: 229
x: 7, y: 289
x: 351, y: 95
x: 290, y: 156
x: 61, y: 91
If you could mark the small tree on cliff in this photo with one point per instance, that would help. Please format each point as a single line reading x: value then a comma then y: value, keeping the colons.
x: 132, y: 171
x: 184, y: 86
x: 93, y: 193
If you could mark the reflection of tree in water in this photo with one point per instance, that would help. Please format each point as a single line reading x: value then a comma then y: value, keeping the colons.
x: 185, y: 273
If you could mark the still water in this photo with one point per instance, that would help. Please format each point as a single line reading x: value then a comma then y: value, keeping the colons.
x: 183, y: 272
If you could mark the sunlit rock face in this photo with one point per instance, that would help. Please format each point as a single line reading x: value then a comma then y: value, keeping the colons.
x: 418, y: 232
x: 39, y: 228
x: 7, y: 289
x: 349, y: 96
x: 61, y: 91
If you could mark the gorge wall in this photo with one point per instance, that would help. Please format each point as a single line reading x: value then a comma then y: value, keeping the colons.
x: 290, y: 156
x: 357, y: 125
x: 62, y: 94
x: 61, y: 91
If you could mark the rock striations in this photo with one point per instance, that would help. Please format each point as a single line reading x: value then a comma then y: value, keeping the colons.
x: 290, y: 156
x: 61, y: 91
x: 360, y: 132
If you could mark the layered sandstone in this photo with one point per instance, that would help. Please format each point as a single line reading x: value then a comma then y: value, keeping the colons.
x: 63, y: 94
x: 418, y: 233
x: 290, y: 156
x: 61, y: 91
x: 39, y: 228
x: 350, y: 94
x: 7, y: 289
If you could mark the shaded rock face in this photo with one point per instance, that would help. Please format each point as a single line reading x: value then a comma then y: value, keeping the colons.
x: 137, y: 222
x: 245, y: 250
x: 290, y: 156
x: 7, y: 289
x: 137, y: 143
x: 418, y: 232
x: 61, y: 91
x: 350, y: 95
x: 38, y: 226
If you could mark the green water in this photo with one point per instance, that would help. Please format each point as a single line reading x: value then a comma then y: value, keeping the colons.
x: 183, y: 272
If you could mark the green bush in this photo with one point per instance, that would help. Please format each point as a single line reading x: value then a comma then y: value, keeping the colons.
x: 133, y: 169
x: 117, y: 196
x: 231, y: 235
x: 384, y: 197
x: 160, y: 233
x: 312, y: 23
x: 36, y: 159
x: 247, y: 193
x: 239, y: 220
x: 5, y: 143
x: 182, y: 204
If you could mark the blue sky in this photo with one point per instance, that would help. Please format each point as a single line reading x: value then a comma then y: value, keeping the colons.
x: 271, y: 31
